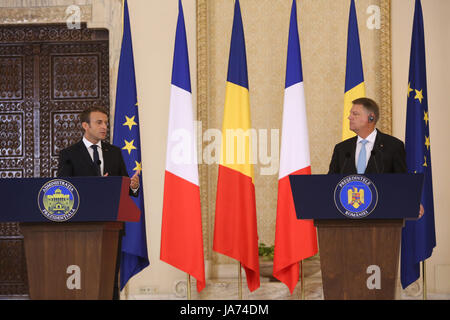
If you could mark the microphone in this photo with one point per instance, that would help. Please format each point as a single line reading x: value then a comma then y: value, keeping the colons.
x: 347, y: 156
x: 374, y: 155
x: 99, y: 162
x: 380, y: 149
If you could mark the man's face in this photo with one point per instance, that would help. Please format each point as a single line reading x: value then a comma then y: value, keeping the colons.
x: 97, y: 127
x: 359, y: 118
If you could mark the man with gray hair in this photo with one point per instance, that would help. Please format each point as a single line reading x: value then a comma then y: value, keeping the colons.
x: 370, y: 151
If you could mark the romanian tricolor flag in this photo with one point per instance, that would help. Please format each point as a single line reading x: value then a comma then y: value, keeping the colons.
x: 295, y: 239
x: 235, y: 230
x: 354, y: 76
x: 181, y: 232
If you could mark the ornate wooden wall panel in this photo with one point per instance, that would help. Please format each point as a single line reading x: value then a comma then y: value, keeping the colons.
x: 48, y: 75
x: 16, y: 152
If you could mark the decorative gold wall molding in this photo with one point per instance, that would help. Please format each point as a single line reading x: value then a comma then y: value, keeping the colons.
x: 56, y: 14
x: 385, y: 67
x: 202, y: 115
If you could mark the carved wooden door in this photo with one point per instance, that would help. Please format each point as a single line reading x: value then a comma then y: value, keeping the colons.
x: 48, y: 75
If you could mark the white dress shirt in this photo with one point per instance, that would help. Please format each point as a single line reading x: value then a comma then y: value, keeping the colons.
x: 88, y: 145
x: 369, y: 146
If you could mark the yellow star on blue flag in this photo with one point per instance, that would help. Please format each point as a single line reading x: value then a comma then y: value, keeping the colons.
x: 130, y: 122
x: 409, y: 89
x: 419, y: 95
x: 129, y: 145
x: 138, y: 166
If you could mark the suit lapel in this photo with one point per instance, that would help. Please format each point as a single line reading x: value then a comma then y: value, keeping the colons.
x: 371, y: 165
x: 85, y: 157
x: 107, y: 158
x: 378, y: 141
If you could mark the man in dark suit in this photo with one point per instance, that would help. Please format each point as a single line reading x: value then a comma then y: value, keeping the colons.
x: 370, y: 151
x: 94, y: 157
x: 383, y: 153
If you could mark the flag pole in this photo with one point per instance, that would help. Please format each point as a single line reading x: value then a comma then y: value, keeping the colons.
x: 424, y: 280
x: 302, y: 279
x: 239, y: 282
x: 123, y: 15
x: 127, y: 292
x: 188, y: 286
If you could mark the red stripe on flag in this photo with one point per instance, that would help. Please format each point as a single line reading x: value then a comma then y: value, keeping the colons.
x: 235, y: 229
x: 128, y: 210
x: 181, y: 232
x: 295, y: 239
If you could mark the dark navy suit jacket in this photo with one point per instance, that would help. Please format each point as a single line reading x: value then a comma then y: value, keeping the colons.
x: 388, y: 156
x: 75, y: 161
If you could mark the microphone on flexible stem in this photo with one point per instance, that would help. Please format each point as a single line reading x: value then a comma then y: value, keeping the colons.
x: 347, y: 156
x: 380, y: 149
x: 99, y: 162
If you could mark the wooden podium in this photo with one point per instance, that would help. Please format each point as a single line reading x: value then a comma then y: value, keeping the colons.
x: 55, y: 251
x: 359, y: 251
x: 74, y: 259
x: 348, y: 249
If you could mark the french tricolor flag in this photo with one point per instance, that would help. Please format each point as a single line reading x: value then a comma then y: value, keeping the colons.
x: 295, y: 239
x: 181, y: 232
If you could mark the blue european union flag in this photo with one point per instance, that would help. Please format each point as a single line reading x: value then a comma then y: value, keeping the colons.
x: 418, y: 237
x: 134, y: 256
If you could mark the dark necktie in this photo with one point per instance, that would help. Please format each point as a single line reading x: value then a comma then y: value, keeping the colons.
x: 96, y: 159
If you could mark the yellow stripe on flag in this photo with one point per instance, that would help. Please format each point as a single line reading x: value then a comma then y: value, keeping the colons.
x: 357, y: 92
x: 237, y: 134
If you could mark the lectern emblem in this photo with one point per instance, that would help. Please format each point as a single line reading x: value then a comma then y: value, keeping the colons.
x: 356, y: 196
x: 58, y: 200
